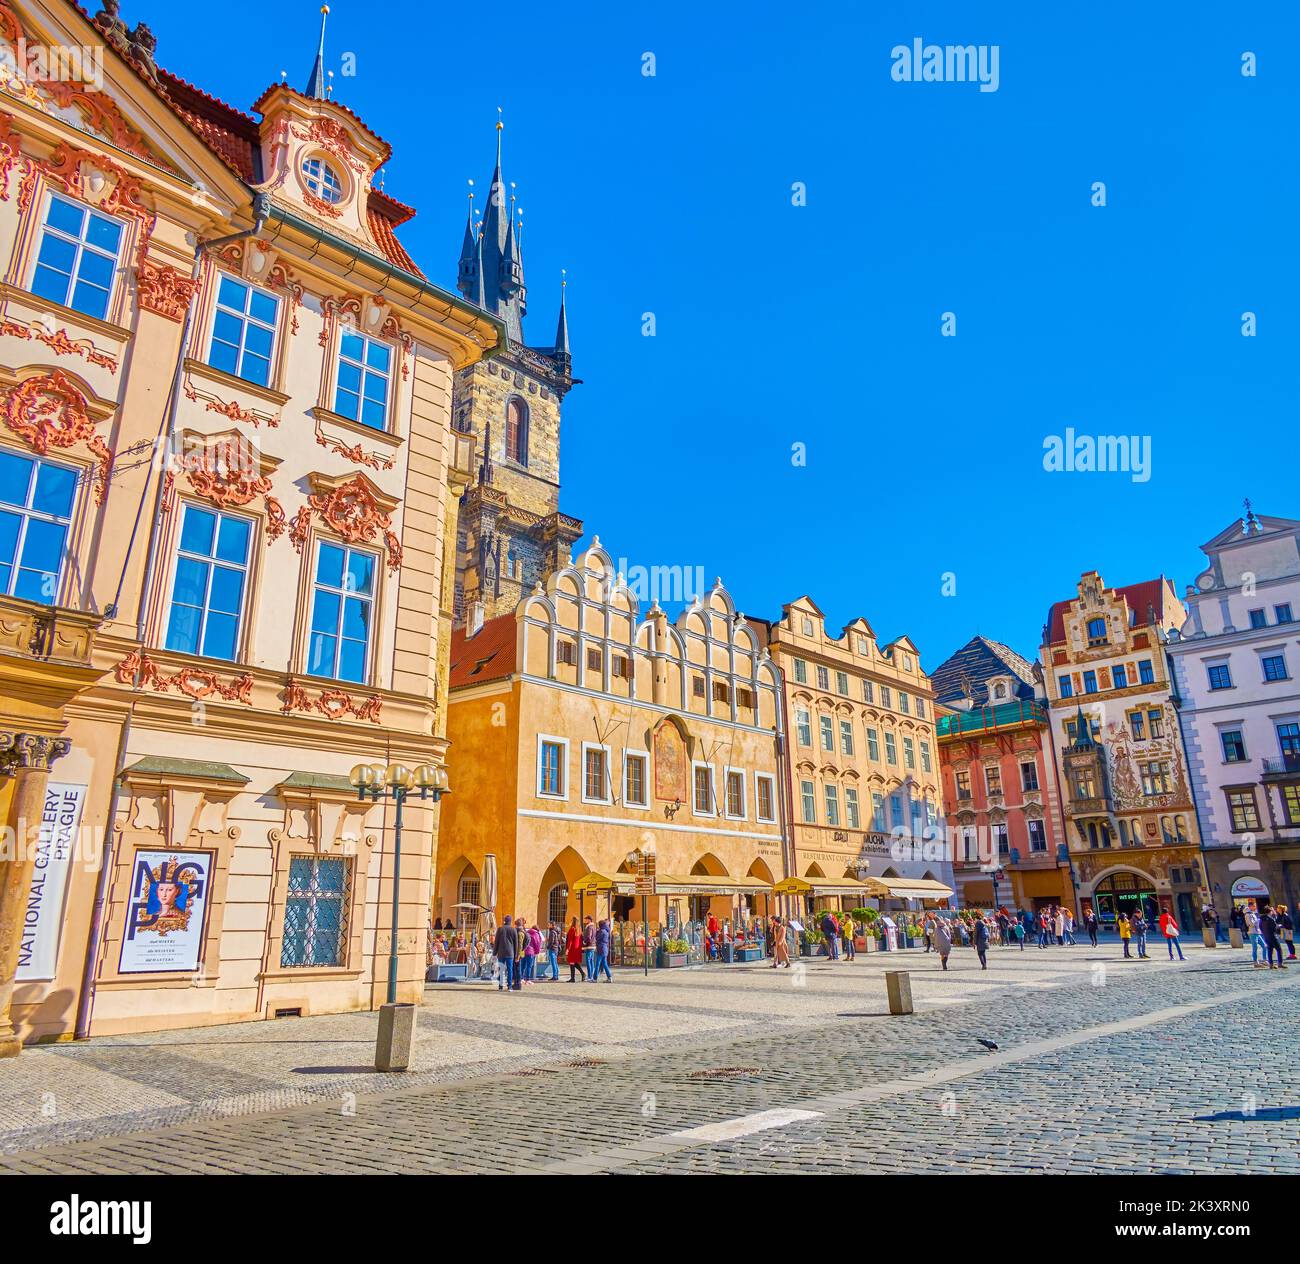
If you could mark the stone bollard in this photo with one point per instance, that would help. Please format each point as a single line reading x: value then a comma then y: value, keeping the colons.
x: 898, y: 984
x: 396, y: 1037
x: 1207, y: 937
x: 1234, y: 938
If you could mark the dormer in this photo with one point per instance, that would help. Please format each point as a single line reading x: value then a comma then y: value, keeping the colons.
x: 319, y: 161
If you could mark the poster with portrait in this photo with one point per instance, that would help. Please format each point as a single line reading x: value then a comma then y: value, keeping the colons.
x: 166, y: 910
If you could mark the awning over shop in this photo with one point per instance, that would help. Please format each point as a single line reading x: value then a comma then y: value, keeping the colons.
x: 820, y: 886
x: 668, y: 884
x: 907, y: 889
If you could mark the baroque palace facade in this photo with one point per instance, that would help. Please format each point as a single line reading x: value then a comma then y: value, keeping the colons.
x: 584, y: 731
x: 229, y: 480
x: 1130, y: 819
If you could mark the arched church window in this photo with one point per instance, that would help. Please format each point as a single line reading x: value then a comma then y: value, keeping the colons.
x: 517, y: 431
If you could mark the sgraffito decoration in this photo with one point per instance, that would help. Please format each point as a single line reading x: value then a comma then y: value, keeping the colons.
x: 333, y: 704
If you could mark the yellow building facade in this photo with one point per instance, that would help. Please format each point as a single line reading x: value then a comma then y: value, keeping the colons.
x: 229, y: 479
x: 863, y: 757
x: 584, y: 730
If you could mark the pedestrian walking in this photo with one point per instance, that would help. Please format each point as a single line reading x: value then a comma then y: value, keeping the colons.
x: 602, y: 952
x: 847, y: 931
x: 1059, y: 926
x: 980, y: 938
x: 1272, y: 943
x: 1251, y: 921
x: 1069, y: 928
x: 780, y: 944
x: 589, y: 947
x: 831, y: 931
x: 1287, y: 927
x: 573, y: 952
x: 1125, y: 932
x: 942, y: 941
x: 1090, y: 924
x: 504, y: 945
x: 554, y: 946
x: 1043, y: 928
x: 1020, y: 933
x: 1169, y: 929
x: 1138, y: 925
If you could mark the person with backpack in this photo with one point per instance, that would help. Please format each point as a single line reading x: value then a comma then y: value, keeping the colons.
x: 554, y: 945
x: 503, y: 949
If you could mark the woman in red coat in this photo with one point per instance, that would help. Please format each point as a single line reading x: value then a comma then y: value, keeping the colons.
x: 573, y: 951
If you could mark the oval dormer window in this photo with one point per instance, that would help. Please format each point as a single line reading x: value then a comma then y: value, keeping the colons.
x: 322, y: 180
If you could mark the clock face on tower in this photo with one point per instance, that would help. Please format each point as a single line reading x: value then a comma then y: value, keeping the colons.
x: 1205, y: 581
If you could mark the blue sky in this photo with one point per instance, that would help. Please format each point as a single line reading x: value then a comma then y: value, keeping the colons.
x: 821, y: 324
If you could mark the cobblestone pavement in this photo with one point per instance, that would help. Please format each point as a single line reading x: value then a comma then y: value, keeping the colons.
x: 1102, y: 1065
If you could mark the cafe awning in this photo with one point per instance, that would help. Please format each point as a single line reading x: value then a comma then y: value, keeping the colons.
x: 668, y: 884
x: 820, y: 886
x: 907, y: 889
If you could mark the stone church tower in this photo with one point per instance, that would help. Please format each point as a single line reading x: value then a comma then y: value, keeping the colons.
x: 510, y: 531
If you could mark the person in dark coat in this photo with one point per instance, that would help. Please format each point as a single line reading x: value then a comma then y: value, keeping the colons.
x: 602, y: 952
x: 505, y: 945
x: 980, y: 938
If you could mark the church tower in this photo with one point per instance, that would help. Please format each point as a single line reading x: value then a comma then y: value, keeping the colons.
x: 510, y: 531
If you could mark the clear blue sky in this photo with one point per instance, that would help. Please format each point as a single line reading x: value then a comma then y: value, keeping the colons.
x: 820, y: 324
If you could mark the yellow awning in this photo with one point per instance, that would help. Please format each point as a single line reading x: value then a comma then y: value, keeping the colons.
x: 668, y: 884
x: 907, y: 888
x: 820, y: 886
x: 590, y: 883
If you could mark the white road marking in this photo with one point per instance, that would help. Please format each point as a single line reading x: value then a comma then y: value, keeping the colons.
x: 730, y: 1129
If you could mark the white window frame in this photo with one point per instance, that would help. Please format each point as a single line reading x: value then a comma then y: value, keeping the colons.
x: 728, y: 772
x: 82, y: 245
x: 245, y: 318
x: 831, y: 802
x: 846, y: 737
x: 563, y: 744
x: 316, y: 183
x: 644, y: 756
x: 28, y: 515
x: 807, y: 794
x: 852, y: 808
x: 713, y: 789
x: 825, y: 728
x: 212, y: 562
x: 364, y: 366
x: 758, y: 801
x: 315, y: 587
x: 801, y: 724
x: 609, y: 788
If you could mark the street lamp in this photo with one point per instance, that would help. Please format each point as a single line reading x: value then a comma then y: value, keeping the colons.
x: 397, y: 782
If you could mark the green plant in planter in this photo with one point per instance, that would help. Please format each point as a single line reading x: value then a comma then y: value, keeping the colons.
x: 677, y: 947
x: 865, y: 915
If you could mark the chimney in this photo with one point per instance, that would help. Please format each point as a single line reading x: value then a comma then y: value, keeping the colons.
x: 474, y: 623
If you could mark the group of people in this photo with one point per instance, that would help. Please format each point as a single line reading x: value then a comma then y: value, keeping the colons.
x: 1269, y: 928
x: 1134, y: 928
x: 517, y: 947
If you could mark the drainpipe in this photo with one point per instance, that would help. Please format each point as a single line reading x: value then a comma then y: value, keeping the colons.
x: 261, y: 213
x: 782, y: 739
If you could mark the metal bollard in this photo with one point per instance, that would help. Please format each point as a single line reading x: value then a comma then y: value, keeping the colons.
x: 898, y: 984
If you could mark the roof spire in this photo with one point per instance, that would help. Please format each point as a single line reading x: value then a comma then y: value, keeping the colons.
x: 467, y: 271
x: 562, y: 329
x: 316, y: 83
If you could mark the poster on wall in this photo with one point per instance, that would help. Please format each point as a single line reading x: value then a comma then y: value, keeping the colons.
x: 166, y: 909
x: 38, y: 947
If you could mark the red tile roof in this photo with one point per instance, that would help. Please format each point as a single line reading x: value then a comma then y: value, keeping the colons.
x: 1149, y: 593
x: 488, y: 656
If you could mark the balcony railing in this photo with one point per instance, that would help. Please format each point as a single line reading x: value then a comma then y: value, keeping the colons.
x: 1283, y: 766
x: 1005, y: 715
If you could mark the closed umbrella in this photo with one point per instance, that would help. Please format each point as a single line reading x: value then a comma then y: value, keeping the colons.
x: 490, y: 892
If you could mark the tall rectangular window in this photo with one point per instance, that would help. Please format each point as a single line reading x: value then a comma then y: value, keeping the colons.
x: 315, y: 913
x: 1282, y: 613
x: 896, y: 817
x: 76, y: 261
x: 1037, y: 835
x: 873, y: 746
x: 243, y: 331
x: 766, y: 798
x: 925, y: 757
x: 703, y: 790
x: 992, y: 779
x: 634, y: 781
x: 342, y: 613
x: 1258, y: 619
x: 36, y: 499
x: 800, y: 671
x: 550, y: 773
x: 891, y: 749
x: 846, y: 737
x: 909, y: 753
x: 842, y: 683
x: 868, y: 691
x: 886, y: 697
x: 803, y: 725
x: 1137, y: 722
x: 828, y: 733
x: 1065, y: 687
x: 823, y: 678
x: 877, y: 811
x: 1288, y: 738
x: 735, y: 794
x: 1119, y: 676
x: 832, y: 805
x: 961, y: 779
x: 1155, y: 724
x: 595, y: 774
x: 808, y: 802
x: 905, y: 702
x: 1029, y: 775
x: 1090, y: 682
x: 211, y: 577
x: 361, y: 391
x: 1146, y: 672
x: 1243, y: 809
x: 851, y: 813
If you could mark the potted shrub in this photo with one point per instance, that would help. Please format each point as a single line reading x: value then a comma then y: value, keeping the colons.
x: 812, y: 943
x: 673, y: 953
x: 864, y: 939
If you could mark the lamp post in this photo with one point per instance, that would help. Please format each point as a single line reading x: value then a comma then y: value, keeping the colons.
x: 397, y: 782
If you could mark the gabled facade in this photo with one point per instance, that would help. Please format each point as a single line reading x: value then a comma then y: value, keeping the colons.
x: 1000, y: 792
x: 1235, y: 662
x: 864, y: 760
x: 583, y: 729
x: 229, y: 476
x: 1127, y: 800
